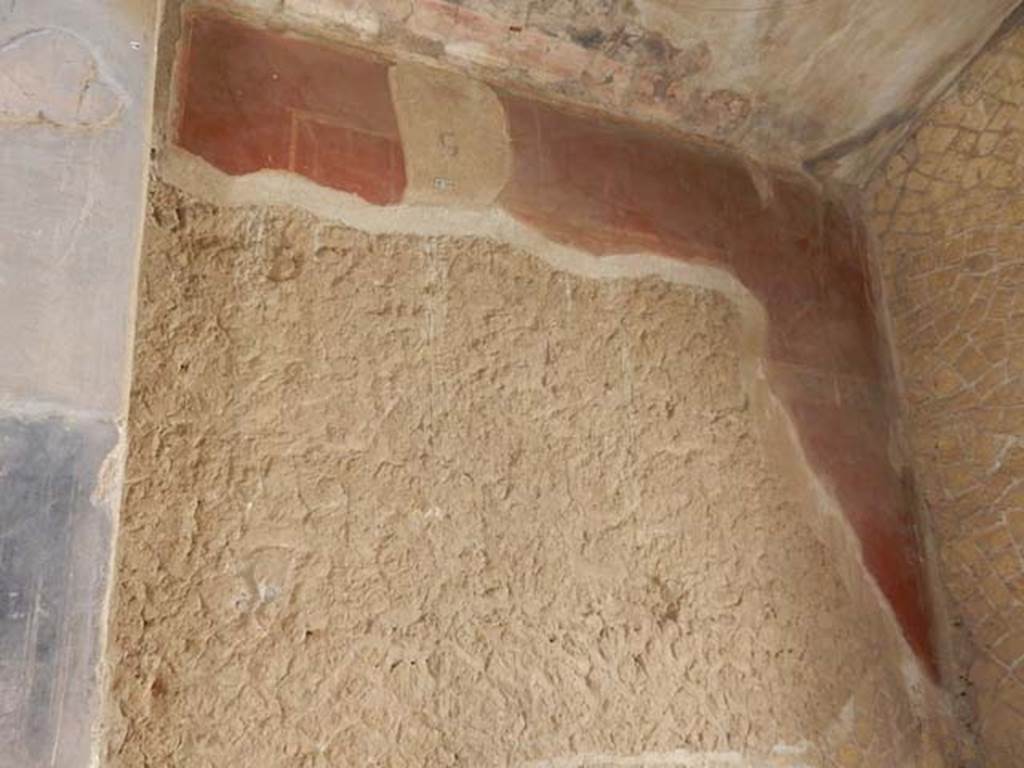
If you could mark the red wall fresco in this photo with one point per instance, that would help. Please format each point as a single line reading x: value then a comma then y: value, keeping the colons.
x: 253, y: 99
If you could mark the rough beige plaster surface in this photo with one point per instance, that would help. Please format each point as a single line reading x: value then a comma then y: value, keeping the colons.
x: 404, y: 501
x: 949, y: 213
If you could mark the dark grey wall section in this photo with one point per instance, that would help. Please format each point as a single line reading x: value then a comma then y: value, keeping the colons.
x: 54, y: 561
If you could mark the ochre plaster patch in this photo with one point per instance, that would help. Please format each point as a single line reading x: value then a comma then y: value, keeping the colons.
x: 454, y: 137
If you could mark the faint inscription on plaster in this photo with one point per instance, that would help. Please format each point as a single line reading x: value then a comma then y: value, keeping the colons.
x: 50, y: 77
x: 359, y: 15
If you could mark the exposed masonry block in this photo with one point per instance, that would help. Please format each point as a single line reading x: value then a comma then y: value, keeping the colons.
x: 54, y: 560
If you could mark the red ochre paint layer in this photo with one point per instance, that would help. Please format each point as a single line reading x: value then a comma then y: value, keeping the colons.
x: 252, y: 99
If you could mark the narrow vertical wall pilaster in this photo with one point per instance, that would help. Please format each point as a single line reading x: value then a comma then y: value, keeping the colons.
x: 75, y: 110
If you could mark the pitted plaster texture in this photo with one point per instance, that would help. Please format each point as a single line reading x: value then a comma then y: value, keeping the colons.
x: 619, y: 190
x: 949, y: 214
x: 404, y: 500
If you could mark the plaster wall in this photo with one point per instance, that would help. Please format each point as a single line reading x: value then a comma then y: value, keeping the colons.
x: 75, y: 111
x: 249, y: 101
x: 75, y: 106
x: 779, y: 355
x: 948, y: 214
x: 517, y: 437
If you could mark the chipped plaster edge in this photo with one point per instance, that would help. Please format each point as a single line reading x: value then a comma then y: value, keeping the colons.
x: 110, y: 483
x: 108, y: 494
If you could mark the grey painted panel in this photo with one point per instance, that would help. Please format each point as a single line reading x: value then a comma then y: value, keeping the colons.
x: 75, y: 108
x: 54, y: 561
